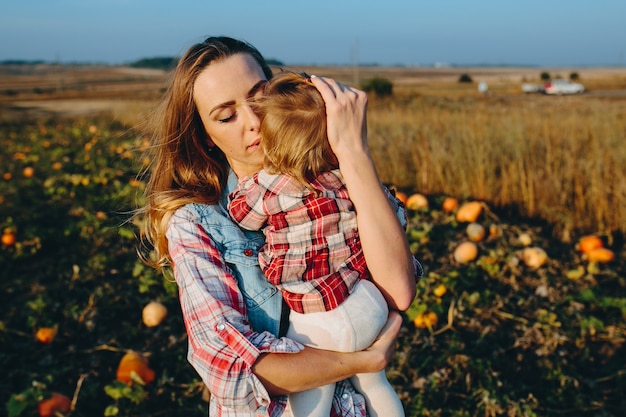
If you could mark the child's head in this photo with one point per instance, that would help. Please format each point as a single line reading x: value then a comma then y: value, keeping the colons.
x: 293, y: 128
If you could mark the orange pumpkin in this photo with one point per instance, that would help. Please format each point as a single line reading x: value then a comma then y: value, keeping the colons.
x: 28, y: 172
x: 8, y: 238
x: 588, y: 243
x: 465, y: 252
x: 534, y: 257
x: 153, y: 313
x: 133, y: 367
x: 46, y: 334
x: 450, y: 204
x: 424, y: 320
x: 417, y: 202
x: 440, y: 290
x: 601, y: 255
x: 402, y: 197
x: 469, y: 212
x: 475, y: 231
x: 57, y: 403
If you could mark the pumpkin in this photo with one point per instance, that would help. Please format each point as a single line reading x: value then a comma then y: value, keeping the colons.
x: 57, y: 403
x: 534, y: 257
x: 153, y: 313
x: 401, y: 196
x: 465, y: 252
x: 425, y: 320
x: 133, y: 367
x: 417, y: 202
x: 469, y: 211
x: 525, y: 239
x: 475, y: 232
x: 450, y: 204
x: 46, y: 334
x: 601, y: 255
x: 588, y: 243
x: 440, y: 290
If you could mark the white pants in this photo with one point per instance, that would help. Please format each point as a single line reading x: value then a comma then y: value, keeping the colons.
x: 352, y: 326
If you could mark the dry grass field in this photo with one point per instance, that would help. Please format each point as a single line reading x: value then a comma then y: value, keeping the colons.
x: 558, y: 158
x: 532, y: 326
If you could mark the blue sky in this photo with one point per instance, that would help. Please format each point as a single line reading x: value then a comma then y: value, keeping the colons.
x: 385, y: 32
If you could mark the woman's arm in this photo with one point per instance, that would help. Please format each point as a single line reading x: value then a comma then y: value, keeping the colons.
x: 382, y: 237
x: 312, y: 368
x: 225, y: 350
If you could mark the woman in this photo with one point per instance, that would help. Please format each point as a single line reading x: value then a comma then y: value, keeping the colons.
x: 208, y: 136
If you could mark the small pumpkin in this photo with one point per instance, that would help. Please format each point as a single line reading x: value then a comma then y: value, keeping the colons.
x: 133, y: 367
x: 601, y: 255
x: 417, y: 202
x: 57, y: 403
x: 590, y: 242
x: 425, y: 320
x: 401, y: 196
x: 46, y: 334
x: 475, y: 232
x: 450, y: 204
x: 466, y: 252
x: 440, y: 290
x: 469, y: 212
x: 153, y: 314
x: 534, y: 257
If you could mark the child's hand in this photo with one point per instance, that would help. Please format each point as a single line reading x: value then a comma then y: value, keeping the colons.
x: 346, y: 116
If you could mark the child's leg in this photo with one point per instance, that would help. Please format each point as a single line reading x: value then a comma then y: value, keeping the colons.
x: 381, y: 398
x: 352, y: 326
x: 312, y: 403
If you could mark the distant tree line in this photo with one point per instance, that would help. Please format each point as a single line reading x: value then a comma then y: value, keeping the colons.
x: 20, y: 62
x: 168, y: 63
x: 164, y: 63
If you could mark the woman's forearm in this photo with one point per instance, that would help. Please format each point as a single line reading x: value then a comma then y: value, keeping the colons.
x: 383, y: 239
x: 286, y: 373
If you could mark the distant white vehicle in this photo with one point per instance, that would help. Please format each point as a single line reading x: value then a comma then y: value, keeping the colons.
x: 532, y: 88
x: 560, y: 86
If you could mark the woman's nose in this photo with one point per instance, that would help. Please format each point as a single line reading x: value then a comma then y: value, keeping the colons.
x: 254, y: 123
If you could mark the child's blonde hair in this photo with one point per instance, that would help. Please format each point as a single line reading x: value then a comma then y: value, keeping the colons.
x: 293, y: 128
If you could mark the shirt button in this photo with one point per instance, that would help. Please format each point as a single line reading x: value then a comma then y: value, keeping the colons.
x: 221, y: 326
x: 248, y: 252
x: 345, y: 396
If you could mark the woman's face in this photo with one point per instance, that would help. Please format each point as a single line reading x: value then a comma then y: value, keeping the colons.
x: 221, y: 93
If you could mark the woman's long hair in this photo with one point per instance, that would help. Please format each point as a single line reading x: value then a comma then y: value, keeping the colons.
x: 184, y: 168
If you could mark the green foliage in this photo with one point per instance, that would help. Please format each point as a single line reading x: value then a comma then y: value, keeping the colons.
x: 465, y: 78
x: 545, y: 76
x: 509, y: 340
x: 574, y: 76
x: 382, y: 87
x: 164, y: 63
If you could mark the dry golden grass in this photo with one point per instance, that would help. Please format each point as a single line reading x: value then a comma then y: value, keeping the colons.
x: 562, y: 159
x: 558, y: 158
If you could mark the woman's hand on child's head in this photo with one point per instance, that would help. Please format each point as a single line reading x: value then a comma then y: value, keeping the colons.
x: 346, y: 109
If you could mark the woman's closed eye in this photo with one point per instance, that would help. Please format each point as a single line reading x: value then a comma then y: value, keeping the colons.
x: 226, y: 119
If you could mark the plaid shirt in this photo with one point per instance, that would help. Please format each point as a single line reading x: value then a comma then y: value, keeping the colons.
x: 222, y: 345
x: 312, y: 251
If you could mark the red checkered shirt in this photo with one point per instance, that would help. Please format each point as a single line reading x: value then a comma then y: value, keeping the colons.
x: 222, y: 345
x: 312, y: 250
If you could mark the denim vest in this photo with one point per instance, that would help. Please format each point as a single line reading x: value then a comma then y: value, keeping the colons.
x: 240, y: 249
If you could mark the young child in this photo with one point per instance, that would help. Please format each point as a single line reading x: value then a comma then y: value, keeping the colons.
x: 312, y: 251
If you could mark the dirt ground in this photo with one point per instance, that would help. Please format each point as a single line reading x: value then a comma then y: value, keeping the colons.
x: 129, y: 93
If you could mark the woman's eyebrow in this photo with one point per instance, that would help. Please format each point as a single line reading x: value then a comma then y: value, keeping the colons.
x: 255, y: 88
